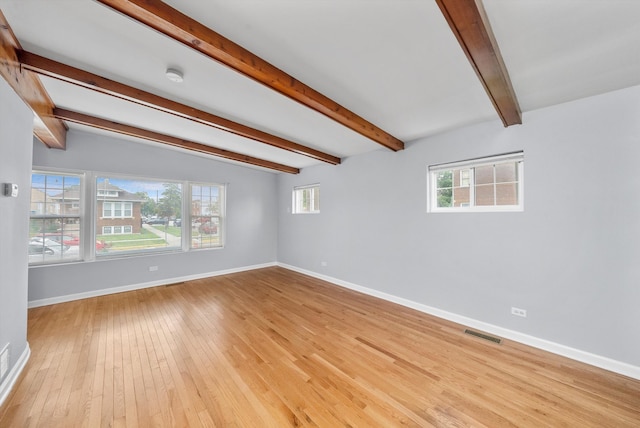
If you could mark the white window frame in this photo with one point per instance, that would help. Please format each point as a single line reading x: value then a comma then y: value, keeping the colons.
x: 96, y: 197
x: 465, y: 179
x: 433, y: 170
x: 111, y: 230
x: 89, y: 216
x: 296, y: 199
x: 187, y: 222
x: 81, y: 216
x: 122, y: 207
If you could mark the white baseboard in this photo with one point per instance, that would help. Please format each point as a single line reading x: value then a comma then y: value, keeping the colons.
x: 12, y: 377
x: 105, y: 291
x: 555, y: 348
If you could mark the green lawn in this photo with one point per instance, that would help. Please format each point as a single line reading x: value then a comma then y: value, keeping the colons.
x: 173, y: 230
x: 131, y: 241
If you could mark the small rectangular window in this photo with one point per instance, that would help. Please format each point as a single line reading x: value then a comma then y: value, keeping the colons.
x: 487, y: 184
x: 306, y: 199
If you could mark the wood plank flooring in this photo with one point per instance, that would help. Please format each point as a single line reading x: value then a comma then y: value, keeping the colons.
x: 274, y: 348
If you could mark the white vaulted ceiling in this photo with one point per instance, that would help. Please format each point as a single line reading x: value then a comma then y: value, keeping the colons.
x: 395, y: 63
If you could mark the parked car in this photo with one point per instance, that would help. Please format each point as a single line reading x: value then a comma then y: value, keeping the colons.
x: 70, y: 241
x: 153, y: 221
x: 208, y: 228
x: 66, y: 239
x: 49, y: 246
x: 37, y: 249
x: 42, y: 249
x: 177, y: 222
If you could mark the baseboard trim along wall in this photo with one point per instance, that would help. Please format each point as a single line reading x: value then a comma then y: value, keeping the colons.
x: 545, y: 345
x: 105, y: 291
x: 14, y: 374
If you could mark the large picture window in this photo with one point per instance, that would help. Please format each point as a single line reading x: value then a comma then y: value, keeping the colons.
x: 131, y: 216
x: 207, y: 215
x: 137, y: 216
x: 55, y: 217
x: 487, y: 184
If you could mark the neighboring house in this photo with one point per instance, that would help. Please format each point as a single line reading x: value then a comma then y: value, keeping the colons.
x: 41, y: 204
x: 59, y: 212
x: 488, y: 189
x: 118, y: 211
x: 67, y: 203
x: 205, y: 208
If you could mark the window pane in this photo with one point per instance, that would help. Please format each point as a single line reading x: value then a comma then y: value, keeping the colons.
x: 125, y: 230
x: 484, y: 195
x: 445, y: 179
x: 484, y: 174
x: 461, y: 196
x: 445, y: 198
x: 206, y: 211
x: 507, y: 172
x: 507, y: 194
x: 306, y: 199
x: 54, y: 226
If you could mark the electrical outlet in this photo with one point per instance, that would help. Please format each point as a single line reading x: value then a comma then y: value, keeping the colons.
x: 153, y: 268
x: 323, y: 264
x: 519, y: 312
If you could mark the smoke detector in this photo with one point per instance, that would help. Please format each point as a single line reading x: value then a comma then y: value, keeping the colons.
x: 174, y: 75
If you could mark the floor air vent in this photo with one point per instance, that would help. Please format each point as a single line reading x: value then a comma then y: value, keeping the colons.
x: 175, y: 283
x: 483, y: 336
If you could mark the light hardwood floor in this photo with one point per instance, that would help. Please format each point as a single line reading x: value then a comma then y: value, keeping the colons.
x: 275, y: 348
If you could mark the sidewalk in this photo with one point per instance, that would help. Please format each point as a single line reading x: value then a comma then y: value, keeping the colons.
x: 172, y: 241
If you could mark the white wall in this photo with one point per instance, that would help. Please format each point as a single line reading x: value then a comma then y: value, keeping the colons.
x: 16, y: 130
x: 570, y: 259
x: 251, y: 217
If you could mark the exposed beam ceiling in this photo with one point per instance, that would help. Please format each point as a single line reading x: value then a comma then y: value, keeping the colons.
x: 190, y: 32
x: 57, y: 70
x: 469, y: 23
x: 133, y: 131
x: 48, y: 129
x: 415, y: 82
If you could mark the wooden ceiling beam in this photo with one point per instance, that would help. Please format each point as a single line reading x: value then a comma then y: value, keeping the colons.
x: 470, y: 25
x: 182, y: 28
x: 69, y: 74
x: 27, y: 85
x: 133, y: 131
